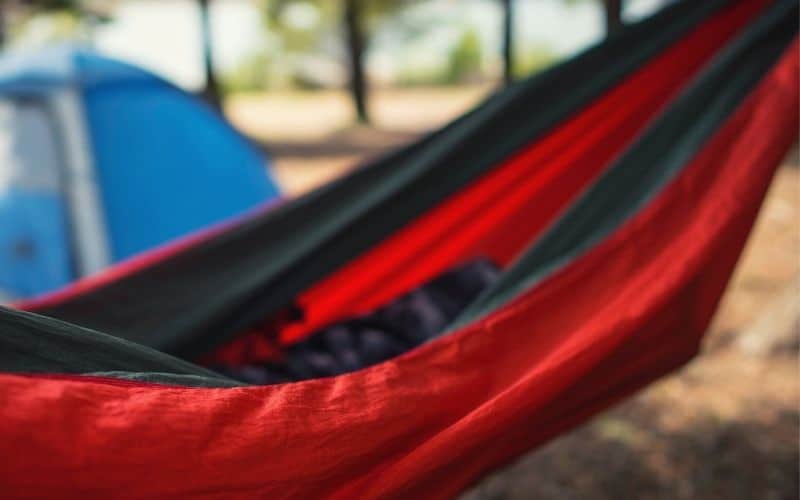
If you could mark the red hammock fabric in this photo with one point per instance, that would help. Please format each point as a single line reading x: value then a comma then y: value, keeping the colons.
x: 428, y: 423
x: 499, y: 215
x: 509, y: 207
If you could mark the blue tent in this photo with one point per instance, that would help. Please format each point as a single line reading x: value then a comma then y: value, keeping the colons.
x: 100, y: 160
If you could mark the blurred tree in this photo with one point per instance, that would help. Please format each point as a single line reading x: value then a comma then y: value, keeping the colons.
x: 357, y: 17
x: 613, y: 20
x: 465, y: 58
x: 613, y: 11
x: 508, y: 41
x: 19, y: 9
x: 211, y: 92
x: 254, y: 72
x: 93, y: 11
x: 2, y: 26
x: 78, y: 14
x: 532, y: 59
x: 613, y: 14
x: 354, y: 36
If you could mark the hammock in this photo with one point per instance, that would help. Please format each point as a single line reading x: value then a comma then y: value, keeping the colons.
x: 615, y: 193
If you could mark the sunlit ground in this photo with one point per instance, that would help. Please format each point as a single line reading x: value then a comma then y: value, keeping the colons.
x: 311, y: 137
x: 726, y: 426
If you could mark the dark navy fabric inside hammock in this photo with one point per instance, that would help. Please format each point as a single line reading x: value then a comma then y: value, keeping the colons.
x: 401, y: 325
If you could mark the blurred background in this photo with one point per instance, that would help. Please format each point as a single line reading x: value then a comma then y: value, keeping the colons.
x: 313, y: 87
x: 326, y: 78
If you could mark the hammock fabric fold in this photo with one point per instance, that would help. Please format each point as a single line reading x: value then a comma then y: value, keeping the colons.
x: 616, y: 191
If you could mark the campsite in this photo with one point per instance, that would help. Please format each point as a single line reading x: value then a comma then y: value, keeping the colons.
x: 563, y: 269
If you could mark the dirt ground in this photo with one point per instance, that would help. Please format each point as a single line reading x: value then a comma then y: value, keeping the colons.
x: 310, y: 137
x: 726, y: 426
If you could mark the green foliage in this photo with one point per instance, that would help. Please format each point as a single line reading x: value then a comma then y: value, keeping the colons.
x: 253, y: 73
x: 413, y: 76
x: 532, y: 60
x: 43, y: 5
x: 65, y: 19
x: 465, y: 58
x: 78, y: 8
x: 464, y: 63
x: 280, y: 18
x: 328, y: 16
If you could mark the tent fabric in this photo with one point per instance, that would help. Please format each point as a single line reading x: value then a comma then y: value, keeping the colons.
x: 613, y: 288
x: 245, y: 279
x: 67, y: 66
x: 205, y: 170
x: 156, y: 154
x: 36, y: 255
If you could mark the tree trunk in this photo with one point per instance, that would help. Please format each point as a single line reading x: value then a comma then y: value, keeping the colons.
x: 613, y: 10
x: 211, y: 92
x: 355, y: 49
x: 508, y: 41
x: 2, y: 26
